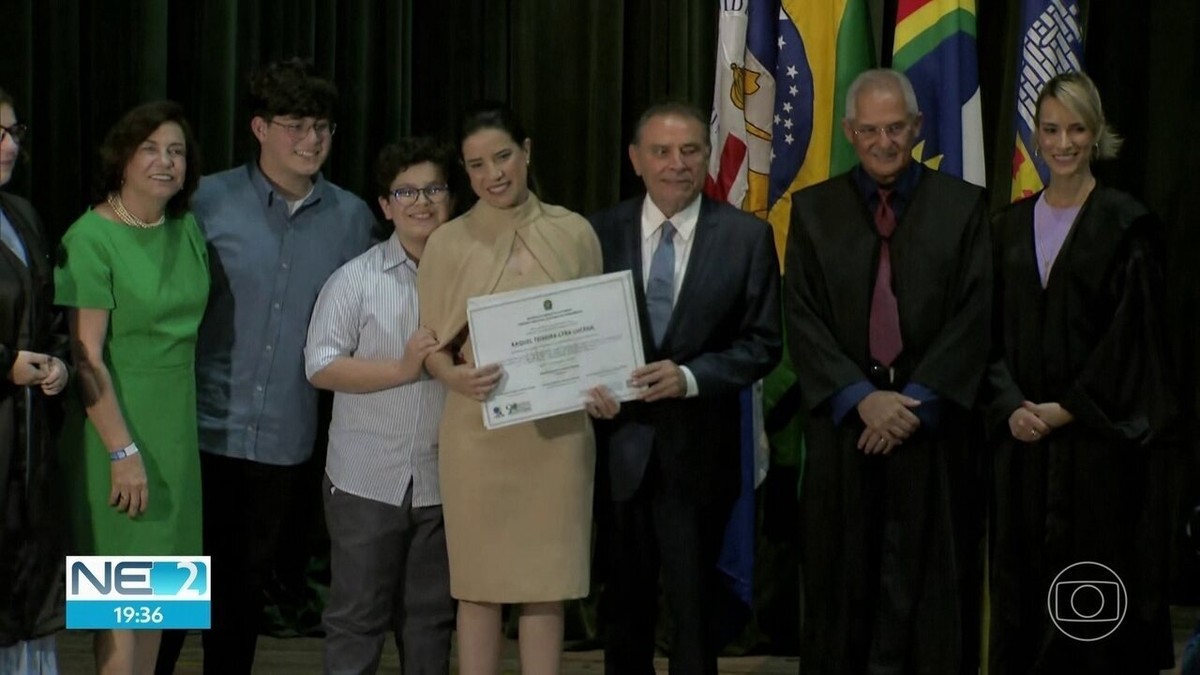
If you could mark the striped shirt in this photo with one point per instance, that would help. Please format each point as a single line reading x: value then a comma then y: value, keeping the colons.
x: 381, y: 442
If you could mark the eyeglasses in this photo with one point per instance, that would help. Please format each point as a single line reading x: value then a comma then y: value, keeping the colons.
x: 298, y: 131
x: 893, y: 131
x: 408, y: 195
x: 19, y: 133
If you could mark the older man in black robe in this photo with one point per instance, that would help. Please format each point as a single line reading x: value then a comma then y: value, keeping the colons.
x: 887, y: 292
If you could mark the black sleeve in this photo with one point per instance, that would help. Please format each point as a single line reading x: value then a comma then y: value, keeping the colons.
x: 822, y: 368
x: 955, y: 361
x: 1123, y: 389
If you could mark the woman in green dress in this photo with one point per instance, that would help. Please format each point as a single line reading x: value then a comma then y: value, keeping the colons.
x: 133, y: 273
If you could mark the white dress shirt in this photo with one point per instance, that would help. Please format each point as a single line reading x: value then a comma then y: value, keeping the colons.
x: 684, y: 223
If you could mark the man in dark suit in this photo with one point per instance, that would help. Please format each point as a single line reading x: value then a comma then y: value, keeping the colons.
x: 707, y: 286
x: 887, y: 307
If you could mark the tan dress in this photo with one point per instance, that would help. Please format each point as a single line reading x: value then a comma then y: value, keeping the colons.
x: 517, y: 501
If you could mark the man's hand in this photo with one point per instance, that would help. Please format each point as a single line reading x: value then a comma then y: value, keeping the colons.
x: 420, y: 344
x: 474, y: 382
x: 661, y: 379
x: 889, y: 420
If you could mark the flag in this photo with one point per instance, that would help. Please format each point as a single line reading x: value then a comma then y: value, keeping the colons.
x: 783, y: 67
x: 935, y: 47
x: 822, y: 47
x: 743, y: 104
x: 1051, y: 43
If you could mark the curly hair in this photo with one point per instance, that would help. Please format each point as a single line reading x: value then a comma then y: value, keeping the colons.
x: 128, y: 133
x: 290, y: 88
x: 407, y: 152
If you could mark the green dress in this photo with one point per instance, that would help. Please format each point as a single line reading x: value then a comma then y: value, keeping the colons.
x: 154, y: 282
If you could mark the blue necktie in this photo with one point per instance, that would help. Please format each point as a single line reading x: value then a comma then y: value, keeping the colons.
x: 660, y: 286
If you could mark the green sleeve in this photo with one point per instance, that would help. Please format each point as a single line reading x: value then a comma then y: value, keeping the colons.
x: 83, y: 276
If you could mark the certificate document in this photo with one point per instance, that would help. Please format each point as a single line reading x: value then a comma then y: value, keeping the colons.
x: 554, y: 343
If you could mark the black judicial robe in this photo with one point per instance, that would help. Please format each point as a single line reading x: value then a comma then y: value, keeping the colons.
x: 32, y: 524
x: 1097, y: 489
x: 889, y: 545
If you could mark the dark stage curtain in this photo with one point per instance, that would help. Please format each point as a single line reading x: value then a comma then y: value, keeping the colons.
x: 75, y: 67
x: 1145, y: 59
x: 577, y: 73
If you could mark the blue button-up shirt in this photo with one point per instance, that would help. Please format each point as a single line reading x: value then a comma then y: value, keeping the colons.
x: 268, y: 265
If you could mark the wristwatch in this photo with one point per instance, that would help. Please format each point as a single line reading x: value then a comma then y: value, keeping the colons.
x: 127, y: 451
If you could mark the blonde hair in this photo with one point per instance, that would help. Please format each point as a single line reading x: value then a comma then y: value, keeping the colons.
x: 1078, y: 93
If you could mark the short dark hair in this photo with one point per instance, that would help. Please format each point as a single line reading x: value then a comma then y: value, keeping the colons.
x: 399, y: 156
x: 676, y: 108
x: 128, y: 133
x: 292, y: 88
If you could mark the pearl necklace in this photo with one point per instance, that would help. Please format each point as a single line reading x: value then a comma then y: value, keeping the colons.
x: 118, y: 207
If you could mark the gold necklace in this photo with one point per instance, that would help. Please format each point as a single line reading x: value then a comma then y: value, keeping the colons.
x: 118, y: 207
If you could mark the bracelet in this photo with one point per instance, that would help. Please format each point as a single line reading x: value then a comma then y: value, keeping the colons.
x: 127, y: 451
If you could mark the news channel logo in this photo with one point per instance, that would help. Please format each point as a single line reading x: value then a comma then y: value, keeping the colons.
x: 138, y: 592
x: 1087, y: 601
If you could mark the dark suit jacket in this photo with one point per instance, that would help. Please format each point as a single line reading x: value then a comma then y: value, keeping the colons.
x: 725, y: 328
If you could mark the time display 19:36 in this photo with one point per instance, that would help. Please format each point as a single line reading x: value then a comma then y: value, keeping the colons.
x: 138, y: 614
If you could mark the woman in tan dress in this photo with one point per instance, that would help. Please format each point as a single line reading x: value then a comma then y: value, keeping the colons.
x: 518, y: 500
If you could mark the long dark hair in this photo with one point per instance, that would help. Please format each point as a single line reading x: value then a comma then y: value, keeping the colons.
x: 7, y: 99
x: 495, y: 115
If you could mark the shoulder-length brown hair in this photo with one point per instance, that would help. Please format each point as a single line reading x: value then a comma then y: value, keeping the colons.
x: 128, y: 133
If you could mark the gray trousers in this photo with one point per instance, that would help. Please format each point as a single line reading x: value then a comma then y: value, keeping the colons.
x: 390, y: 572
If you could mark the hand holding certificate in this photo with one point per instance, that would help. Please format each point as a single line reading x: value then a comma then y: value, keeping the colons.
x: 554, y: 343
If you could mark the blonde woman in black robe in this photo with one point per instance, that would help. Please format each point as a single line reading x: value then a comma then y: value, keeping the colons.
x: 1079, y: 404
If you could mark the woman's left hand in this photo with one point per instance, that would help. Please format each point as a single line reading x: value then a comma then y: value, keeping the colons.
x: 130, y: 492
x: 1051, y: 413
x: 56, y: 377
x: 602, y: 404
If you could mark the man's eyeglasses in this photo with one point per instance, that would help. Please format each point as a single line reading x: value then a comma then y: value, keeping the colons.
x: 893, y: 131
x: 298, y: 131
x: 19, y: 133
x: 408, y: 195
